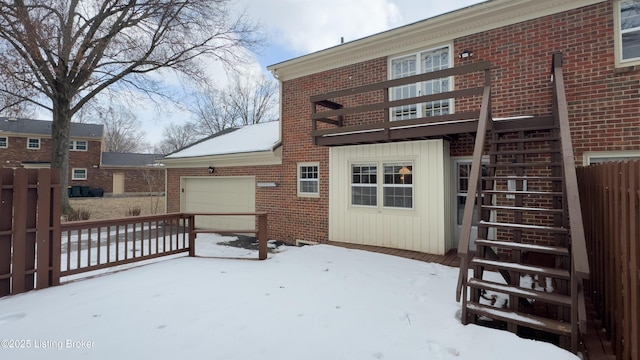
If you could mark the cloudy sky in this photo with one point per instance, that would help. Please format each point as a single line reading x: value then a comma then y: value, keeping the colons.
x: 298, y: 27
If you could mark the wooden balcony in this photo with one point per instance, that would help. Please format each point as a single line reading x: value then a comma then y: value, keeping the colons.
x: 343, y: 118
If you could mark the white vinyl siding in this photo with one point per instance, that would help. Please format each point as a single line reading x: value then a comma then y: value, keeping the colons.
x: 426, y: 227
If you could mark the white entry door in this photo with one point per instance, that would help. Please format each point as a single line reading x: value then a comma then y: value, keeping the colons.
x: 462, y: 171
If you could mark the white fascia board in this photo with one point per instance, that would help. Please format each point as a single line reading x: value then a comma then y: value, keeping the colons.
x: 229, y: 160
x: 424, y: 34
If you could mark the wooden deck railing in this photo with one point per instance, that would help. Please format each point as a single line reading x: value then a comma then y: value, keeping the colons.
x: 579, y: 259
x: 484, y: 124
x: 98, y: 244
x: 327, y: 108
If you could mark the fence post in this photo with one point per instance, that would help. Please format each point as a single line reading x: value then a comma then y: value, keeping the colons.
x: 42, y: 233
x: 262, y: 236
x: 55, y: 252
x: 192, y: 235
x: 6, y: 219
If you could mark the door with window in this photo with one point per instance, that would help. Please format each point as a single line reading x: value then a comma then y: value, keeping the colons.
x: 462, y: 171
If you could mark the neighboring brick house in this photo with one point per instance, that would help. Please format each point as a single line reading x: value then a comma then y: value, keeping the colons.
x: 599, y: 41
x: 27, y: 143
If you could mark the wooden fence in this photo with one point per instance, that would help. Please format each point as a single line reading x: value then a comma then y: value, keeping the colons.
x: 36, y: 249
x: 29, y: 230
x: 610, y: 194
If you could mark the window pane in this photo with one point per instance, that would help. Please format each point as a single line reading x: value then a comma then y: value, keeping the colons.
x: 364, y: 195
x: 3, y: 142
x: 364, y: 188
x: 629, y: 14
x: 631, y: 45
x: 81, y: 145
x: 401, y: 197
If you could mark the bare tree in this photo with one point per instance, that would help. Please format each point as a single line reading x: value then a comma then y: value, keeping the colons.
x: 247, y: 100
x: 176, y: 137
x: 253, y: 99
x: 122, y: 130
x: 69, y: 51
x: 212, y: 112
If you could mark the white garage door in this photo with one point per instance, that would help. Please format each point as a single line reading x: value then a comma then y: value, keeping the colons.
x: 220, y: 194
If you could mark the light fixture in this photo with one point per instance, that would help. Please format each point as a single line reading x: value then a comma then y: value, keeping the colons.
x: 211, y: 169
x: 404, y: 171
x: 465, y: 54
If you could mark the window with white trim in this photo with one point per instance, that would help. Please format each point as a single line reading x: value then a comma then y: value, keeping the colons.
x: 79, y: 174
x: 33, y: 143
x: 419, y: 63
x: 628, y: 31
x: 78, y: 145
x: 364, y: 184
x: 4, y: 142
x: 596, y: 157
x: 308, y: 179
x: 397, y: 189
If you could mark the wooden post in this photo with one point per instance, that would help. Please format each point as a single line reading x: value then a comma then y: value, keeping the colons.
x: 262, y: 236
x: 192, y: 235
x: 42, y: 233
x: 55, y: 232
x: 6, y: 209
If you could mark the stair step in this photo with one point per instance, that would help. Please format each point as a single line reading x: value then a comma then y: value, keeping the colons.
x: 524, y: 140
x: 523, y: 209
x: 551, y: 229
x: 546, y: 297
x: 523, y: 151
x: 532, y: 321
x: 522, y: 268
x: 556, y: 250
x: 533, y: 123
x: 529, y: 178
x: 526, y: 164
x: 522, y: 192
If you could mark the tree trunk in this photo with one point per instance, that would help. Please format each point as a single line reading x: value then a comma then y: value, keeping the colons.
x: 60, y: 131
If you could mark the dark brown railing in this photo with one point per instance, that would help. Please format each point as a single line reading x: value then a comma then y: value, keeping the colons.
x: 484, y: 124
x: 579, y: 260
x: 610, y: 195
x: 98, y: 244
x: 334, y: 113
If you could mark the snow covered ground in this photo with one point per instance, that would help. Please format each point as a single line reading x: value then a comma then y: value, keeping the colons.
x: 314, y: 302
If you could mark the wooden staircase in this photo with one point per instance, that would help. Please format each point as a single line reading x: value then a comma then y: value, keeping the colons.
x: 530, y: 256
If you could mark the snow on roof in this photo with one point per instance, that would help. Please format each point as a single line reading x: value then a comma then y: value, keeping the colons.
x: 250, y: 138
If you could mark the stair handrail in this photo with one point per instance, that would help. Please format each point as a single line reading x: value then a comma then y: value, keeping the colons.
x: 484, y: 124
x: 578, y: 245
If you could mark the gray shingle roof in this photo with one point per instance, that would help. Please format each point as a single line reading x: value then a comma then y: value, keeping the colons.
x: 43, y: 127
x: 129, y: 159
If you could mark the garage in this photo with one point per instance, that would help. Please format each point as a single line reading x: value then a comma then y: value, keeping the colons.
x: 220, y: 194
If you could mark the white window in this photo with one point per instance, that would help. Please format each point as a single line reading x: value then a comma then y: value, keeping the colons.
x: 33, y: 143
x: 419, y: 63
x: 398, y: 185
x: 364, y: 184
x: 596, y: 157
x: 79, y: 174
x: 4, y: 142
x: 78, y: 145
x: 627, y: 27
x: 308, y: 179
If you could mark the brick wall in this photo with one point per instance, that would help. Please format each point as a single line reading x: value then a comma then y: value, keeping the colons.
x: 603, y: 105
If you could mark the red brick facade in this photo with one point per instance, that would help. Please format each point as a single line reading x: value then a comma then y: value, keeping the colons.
x: 603, y: 106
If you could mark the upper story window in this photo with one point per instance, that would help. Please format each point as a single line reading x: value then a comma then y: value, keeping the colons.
x: 419, y: 63
x: 4, y: 142
x: 308, y: 180
x: 33, y: 143
x: 78, y: 145
x: 628, y: 32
